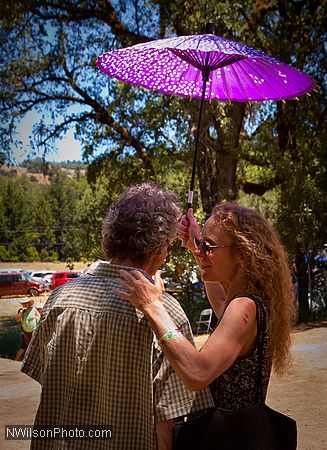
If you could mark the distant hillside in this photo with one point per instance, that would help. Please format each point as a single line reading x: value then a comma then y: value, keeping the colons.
x: 41, y: 174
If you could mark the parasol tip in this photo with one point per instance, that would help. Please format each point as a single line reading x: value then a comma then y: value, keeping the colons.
x: 209, y: 28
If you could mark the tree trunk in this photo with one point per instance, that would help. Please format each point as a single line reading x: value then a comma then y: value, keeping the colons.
x: 218, y: 156
x: 287, y: 143
x: 301, y: 268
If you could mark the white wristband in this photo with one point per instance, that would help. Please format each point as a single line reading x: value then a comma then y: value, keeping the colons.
x: 169, y: 335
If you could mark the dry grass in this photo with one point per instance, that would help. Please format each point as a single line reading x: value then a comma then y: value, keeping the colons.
x: 38, y: 177
x: 33, y: 266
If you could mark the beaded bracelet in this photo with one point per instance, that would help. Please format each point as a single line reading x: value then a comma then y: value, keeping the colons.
x: 169, y: 335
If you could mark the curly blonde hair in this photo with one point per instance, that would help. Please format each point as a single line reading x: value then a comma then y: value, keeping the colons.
x: 267, y: 272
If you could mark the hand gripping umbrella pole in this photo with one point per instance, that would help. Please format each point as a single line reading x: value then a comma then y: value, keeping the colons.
x: 205, y: 78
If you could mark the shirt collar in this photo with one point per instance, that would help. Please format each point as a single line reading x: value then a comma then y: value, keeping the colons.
x: 103, y: 268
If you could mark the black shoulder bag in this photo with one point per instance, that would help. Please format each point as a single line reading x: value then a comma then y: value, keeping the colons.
x: 255, y: 427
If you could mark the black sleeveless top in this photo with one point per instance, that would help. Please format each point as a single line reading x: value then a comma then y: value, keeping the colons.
x: 238, y: 385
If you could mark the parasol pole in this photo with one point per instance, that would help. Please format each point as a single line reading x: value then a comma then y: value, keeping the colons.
x: 205, y: 77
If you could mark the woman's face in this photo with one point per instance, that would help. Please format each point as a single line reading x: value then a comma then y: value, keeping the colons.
x: 26, y: 305
x: 222, y: 262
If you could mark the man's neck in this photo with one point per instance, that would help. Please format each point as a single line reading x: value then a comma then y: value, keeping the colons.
x: 131, y: 263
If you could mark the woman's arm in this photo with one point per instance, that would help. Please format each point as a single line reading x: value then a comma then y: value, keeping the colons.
x: 164, y: 431
x: 19, y: 315
x: 196, y: 369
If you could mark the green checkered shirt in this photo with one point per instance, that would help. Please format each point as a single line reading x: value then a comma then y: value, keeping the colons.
x: 100, y: 364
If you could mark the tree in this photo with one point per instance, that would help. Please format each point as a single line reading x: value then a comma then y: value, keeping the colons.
x: 64, y: 195
x: 25, y: 217
x: 55, y: 74
x: 40, y: 221
x: 301, y: 137
x: 48, y: 63
x: 60, y: 40
x: 32, y: 254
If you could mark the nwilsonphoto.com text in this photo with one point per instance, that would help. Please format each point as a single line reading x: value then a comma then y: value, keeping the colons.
x: 28, y: 432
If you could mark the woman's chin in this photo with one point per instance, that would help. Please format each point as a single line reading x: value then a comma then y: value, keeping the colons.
x: 206, y: 276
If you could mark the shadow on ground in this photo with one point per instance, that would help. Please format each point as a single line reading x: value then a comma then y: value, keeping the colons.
x: 309, y: 326
x: 10, y: 337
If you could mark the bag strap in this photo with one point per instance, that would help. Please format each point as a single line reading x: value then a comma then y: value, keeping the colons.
x: 261, y: 325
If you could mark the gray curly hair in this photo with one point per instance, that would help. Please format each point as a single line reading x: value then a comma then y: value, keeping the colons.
x: 139, y: 222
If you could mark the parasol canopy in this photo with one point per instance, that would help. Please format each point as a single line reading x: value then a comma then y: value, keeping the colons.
x: 205, y: 66
x: 235, y: 72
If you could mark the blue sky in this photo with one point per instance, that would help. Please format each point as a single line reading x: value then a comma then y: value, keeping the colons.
x: 65, y: 149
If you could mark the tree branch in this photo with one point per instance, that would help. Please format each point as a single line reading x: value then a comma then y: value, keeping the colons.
x: 103, y: 11
x: 260, y: 9
x: 56, y: 130
x: 105, y: 118
x: 259, y: 188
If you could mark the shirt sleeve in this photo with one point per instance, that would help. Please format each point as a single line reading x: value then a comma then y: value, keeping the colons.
x: 36, y: 354
x: 32, y: 360
x: 171, y: 398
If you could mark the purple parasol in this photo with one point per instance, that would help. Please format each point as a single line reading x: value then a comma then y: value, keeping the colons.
x: 208, y: 67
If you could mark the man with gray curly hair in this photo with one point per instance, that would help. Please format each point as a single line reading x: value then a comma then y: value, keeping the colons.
x: 140, y: 226
x: 100, y: 364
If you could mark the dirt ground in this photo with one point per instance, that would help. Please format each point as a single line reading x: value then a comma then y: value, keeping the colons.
x: 302, y: 394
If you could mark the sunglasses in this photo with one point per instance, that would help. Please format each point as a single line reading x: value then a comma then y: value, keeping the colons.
x: 207, y: 248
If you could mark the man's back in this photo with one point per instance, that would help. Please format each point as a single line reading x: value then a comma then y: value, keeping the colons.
x: 101, y: 366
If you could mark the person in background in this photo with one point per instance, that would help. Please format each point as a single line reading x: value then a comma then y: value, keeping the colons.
x: 28, y: 316
x: 96, y: 356
x: 248, y: 282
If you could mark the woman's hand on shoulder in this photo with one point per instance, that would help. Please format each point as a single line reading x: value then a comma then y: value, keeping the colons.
x: 138, y: 290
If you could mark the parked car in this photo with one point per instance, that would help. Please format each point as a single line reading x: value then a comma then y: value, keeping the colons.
x: 60, y: 278
x: 41, y: 274
x: 19, y: 283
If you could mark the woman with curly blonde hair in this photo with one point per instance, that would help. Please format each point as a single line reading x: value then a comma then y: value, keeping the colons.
x: 267, y: 272
x: 248, y: 282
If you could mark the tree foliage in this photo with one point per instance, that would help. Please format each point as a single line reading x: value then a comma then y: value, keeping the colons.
x: 41, y: 222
